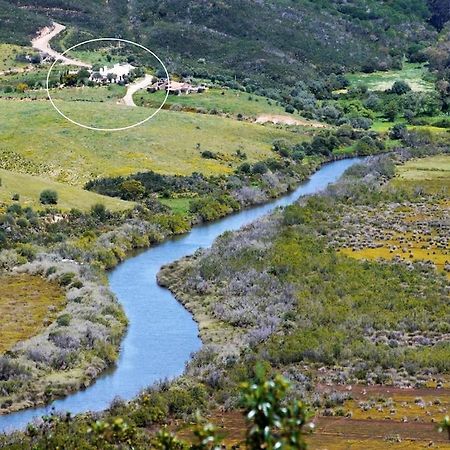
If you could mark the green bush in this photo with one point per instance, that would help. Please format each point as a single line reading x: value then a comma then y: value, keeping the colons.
x: 48, y: 197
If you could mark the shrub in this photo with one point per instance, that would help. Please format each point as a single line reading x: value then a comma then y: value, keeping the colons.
x: 259, y: 168
x: 48, y: 197
x: 63, y: 320
x: 66, y: 278
x: 208, y: 154
x: 400, y: 87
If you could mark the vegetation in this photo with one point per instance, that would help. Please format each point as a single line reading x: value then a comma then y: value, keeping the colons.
x: 95, y: 154
x: 48, y: 197
x: 271, y: 423
x: 329, y: 318
x: 216, y: 100
x: 242, y: 40
x: 417, y: 76
x: 27, y: 304
x: 30, y: 187
x: 358, y: 304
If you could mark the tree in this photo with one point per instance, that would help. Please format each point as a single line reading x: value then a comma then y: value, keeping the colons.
x: 99, y: 211
x: 272, y: 424
x: 48, y: 197
x: 400, y: 87
x: 444, y: 426
x: 132, y: 189
x: 398, y: 131
x: 391, y: 111
x: 111, y: 77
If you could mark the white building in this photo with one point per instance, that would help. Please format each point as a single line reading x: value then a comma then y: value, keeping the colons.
x: 119, y: 71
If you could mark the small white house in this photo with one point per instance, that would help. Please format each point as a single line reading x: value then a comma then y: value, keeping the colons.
x: 119, y: 71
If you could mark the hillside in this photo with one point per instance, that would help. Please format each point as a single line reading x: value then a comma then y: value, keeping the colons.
x: 276, y: 42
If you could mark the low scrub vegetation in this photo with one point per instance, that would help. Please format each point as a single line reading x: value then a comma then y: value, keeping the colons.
x: 83, y: 333
x: 27, y: 304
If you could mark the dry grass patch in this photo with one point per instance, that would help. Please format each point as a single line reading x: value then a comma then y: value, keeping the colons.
x: 27, y: 304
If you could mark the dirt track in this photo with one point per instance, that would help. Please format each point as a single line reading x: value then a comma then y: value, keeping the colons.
x: 42, y: 43
x: 134, y: 87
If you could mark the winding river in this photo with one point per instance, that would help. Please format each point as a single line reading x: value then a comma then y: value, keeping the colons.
x: 161, y: 335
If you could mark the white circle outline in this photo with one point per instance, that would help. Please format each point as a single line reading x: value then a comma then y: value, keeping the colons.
x: 106, y: 129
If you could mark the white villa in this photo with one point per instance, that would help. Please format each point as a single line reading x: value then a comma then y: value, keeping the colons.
x: 116, y: 73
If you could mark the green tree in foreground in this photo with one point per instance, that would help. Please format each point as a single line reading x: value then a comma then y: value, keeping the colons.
x: 444, y: 426
x: 273, y: 424
x: 48, y: 197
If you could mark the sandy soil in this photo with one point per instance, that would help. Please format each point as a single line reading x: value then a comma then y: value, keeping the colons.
x: 42, y: 43
x: 289, y: 120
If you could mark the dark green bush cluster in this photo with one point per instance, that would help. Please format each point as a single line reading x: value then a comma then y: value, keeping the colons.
x: 212, y: 208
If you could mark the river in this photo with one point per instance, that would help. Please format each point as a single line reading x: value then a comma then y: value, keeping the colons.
x: 161, y: 335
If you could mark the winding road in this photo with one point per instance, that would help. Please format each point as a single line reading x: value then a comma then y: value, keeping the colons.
x: 42, y: 43
x: 134, y: 87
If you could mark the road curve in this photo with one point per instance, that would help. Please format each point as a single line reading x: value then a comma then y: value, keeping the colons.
x: 134, y: 87
x: 42, y: 43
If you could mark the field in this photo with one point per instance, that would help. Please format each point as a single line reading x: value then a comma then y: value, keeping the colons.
x: 170, y: 143
x: 416, y: 75
x: 178, y: 205
x: 8, y: 54
x: 29, y: 187
x: 225, y: 100
x: 27, y: 303
x: 432, y: 174
x: 412, y: 231
x: 410, y: 427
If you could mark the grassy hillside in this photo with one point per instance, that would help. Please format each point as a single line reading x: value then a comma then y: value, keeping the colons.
x: 229, y: 101
x: 170, y: 143
x: 276, y: 42
x: 29, y: 188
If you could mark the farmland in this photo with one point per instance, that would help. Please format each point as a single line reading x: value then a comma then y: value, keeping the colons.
x: 8, y: 54
x: 216, y: 99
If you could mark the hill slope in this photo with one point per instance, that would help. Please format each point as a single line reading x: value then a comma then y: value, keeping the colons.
x: 275, y: 42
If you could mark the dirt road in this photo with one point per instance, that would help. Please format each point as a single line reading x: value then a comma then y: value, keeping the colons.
x: 134, y: 87
x: 42, y: 43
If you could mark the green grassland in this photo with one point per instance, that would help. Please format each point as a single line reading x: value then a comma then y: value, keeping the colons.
x: 432, y: 174
x: 101, y: 94
x: 35, y: 139
x: 225, y: 100
x: 29, y: 187
x: 416, y: 75
x: 8, y: 54
x: 178, y: 205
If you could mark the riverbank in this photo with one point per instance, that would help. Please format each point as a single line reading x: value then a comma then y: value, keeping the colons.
x: 143, y: 301
x: 391, y: 369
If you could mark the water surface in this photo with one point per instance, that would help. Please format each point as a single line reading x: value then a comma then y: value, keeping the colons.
x: 161, y: 335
